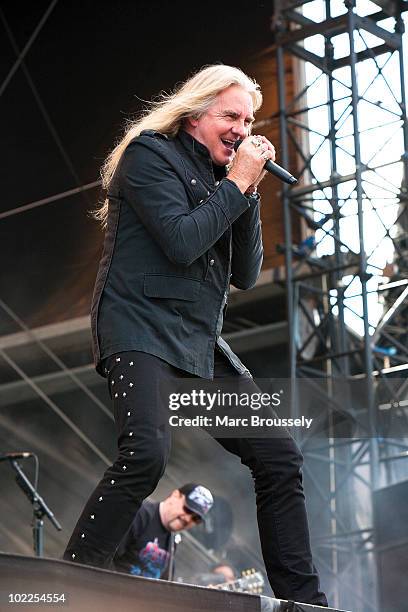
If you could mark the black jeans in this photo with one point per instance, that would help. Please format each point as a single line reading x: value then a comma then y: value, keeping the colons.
x: 136, y: 381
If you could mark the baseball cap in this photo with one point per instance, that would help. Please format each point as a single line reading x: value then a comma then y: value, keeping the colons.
x: 198, y: 498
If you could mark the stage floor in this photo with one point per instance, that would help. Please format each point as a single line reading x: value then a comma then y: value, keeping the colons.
x: 87, y: 589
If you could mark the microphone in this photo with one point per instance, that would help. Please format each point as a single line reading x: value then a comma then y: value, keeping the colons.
x: 12, y: 456
x: 274, y: 169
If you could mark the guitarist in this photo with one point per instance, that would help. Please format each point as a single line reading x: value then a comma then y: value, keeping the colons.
x: 148, y: 547
x: 225, y: 577
x: 225, y: 571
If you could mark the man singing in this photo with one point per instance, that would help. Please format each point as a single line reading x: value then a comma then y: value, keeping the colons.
x: 182, y: 223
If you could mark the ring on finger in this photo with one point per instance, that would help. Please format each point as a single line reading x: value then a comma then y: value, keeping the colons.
x: 256, y: 141
x: 265, y: 155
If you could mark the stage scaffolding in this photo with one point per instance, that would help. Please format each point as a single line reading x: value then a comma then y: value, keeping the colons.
x: 345, y: 135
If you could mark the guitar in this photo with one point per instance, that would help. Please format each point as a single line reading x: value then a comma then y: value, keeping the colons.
x: 250, y: 582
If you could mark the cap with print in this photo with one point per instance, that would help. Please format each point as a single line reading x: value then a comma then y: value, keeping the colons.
x: 198, y: 498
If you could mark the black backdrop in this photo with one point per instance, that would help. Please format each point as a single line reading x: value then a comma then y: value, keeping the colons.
x: 65, y: 105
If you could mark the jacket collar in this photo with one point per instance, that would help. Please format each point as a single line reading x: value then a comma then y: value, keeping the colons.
x: 200, y: 153
x: 192, y: 145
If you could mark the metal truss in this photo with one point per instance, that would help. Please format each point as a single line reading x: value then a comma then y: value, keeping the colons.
x: 346, y: 131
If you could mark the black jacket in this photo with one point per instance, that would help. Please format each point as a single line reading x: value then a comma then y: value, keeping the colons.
x: 176, y: 237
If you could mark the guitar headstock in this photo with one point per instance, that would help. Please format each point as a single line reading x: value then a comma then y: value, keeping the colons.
x: 251, y: 581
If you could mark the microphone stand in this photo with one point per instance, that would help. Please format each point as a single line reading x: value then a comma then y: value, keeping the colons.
x: 171, y: 559
x: 40, y: 509
x: 175, y: 538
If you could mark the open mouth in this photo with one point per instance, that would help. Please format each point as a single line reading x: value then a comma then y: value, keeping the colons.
x: 229, y: 144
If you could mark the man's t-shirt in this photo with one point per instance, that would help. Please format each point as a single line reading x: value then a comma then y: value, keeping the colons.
x: 144, y: 551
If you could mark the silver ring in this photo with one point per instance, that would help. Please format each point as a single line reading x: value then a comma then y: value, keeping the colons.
x: 257, y: 142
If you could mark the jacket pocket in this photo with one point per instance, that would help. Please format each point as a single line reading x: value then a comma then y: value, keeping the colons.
x: 171, y: 287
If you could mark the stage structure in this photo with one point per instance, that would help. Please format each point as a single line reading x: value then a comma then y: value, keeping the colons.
x: 346, y: 281
x: 48, y: 376
x: 61, y: 584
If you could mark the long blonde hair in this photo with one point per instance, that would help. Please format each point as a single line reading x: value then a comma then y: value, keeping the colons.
x: 166, y: 115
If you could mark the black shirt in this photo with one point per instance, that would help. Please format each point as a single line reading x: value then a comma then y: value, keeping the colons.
x: 145, y: 549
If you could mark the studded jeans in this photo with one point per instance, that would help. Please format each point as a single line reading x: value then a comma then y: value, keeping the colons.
x: 136, y: 382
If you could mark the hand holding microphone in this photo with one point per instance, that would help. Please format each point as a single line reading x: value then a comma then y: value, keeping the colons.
x: 255, y: 156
